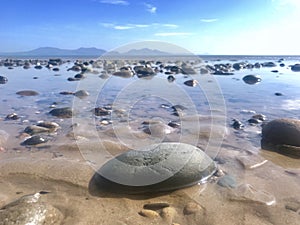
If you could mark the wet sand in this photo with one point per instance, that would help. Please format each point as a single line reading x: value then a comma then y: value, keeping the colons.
x: 266, y: 184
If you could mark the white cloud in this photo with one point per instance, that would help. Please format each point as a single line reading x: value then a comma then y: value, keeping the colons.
x: 132, y: 26
x: 208, y: 20
x: 123, y: 27
x: 170, y: 25
x: 115, y: 2
x: 150, y: 8
x: 167, y: 34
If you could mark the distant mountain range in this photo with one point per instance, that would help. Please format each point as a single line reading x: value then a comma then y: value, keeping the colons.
x: 51, y: 52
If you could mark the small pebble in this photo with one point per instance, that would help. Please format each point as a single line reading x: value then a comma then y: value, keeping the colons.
x: 148, y: 213
x: 156, y: 206
x: 191, y: 208
x: 168, y: 214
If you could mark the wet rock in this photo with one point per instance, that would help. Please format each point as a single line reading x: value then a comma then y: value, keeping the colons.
x: 191, y: 208
x: 149, y: 213
x: 143, y: 71
x: 75, y: 68
x: 158, y: 129
x: 34, y: 140
x: 254, y: 121
x: 30, y: 210
x: 268, y: 64
x: 238, y: 66
x: 222, y: 73
x: 251, y: 79
x: 73, y: 79
x: 35, y: 130
x: 80, y: 76
x: 66, y: 93
x: 188, y: 70
x: 227, y: 181
x: 278, y: 94
x: 65, y: 112
x: 274, y: 71
x: 81, y: 94
x: 174, y: 124
x: 55, y: 69
x: 158, y: 167
x: 124, y: 73
x: 178, y: 108
x: 171, y: 78
x: 12, y: 116
x: 3, y: 80
x: 282, y: 65
x: 296, y: 68
x: 52, y: 126
x: 101, y: 111
x: 156, y: 205
x: 204, y: 71
x: 282, y: 135
x: 27, y: 93
x: 38, y: 67
x: 191, y: 83
x: 237, y: 125
x: 259, y: 117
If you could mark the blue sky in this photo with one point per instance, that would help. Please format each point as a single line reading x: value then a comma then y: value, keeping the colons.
x: 203, y: 26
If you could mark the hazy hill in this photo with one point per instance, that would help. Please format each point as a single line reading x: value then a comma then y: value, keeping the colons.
x: 50, y: 51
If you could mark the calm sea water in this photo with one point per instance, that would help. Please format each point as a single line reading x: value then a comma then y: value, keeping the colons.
x: 141, y: 99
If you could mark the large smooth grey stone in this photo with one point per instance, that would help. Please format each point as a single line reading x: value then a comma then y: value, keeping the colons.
x: 160, y: 167
x: 283, y: 136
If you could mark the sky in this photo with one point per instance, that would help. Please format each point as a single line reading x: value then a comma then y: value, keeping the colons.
x: 221, y: 27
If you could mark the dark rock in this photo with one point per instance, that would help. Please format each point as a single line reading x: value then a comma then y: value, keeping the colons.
x: 278, y: 94
x: 38, y: 67
x: 3, y: 80
x: 254, y: 121
x: 296, y: 68
x: 55, y: 69
x: 12, y: 116
x: 274, y: 71
x: 282, y: 65
x: 188, y: 70
x: 257, y: 65
x: 260, y: 117
x: 237, y: 125
x: 66, y: 93
x: 155, y: 168
x: 268, y: 64
x: 79, y: 76
x: 81, y: 94
x: 282, y: 135
x: 27, y: 93
x: 191, y: 83
x: 73, y: 79
x: 66, y: 112
x: 156, y: 205
x: 33, y: 129
x: 251, y: 79
x: 34, y: 140
x: 99, y: 111
x: 178, y: 107
x: 174, y: 124
x: 222, y: 73
x: 238, y: 66
x: 124, y: 73
x: 171, y: 78
x: 143, y: 71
